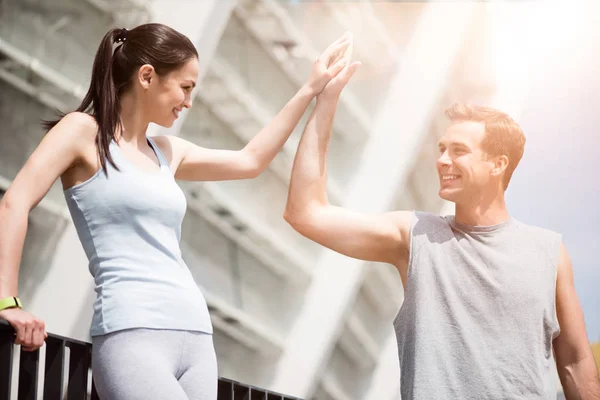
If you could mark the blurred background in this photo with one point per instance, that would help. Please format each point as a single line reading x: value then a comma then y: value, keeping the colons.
x: 289, y: 315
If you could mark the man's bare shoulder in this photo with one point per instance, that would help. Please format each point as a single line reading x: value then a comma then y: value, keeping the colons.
x: 403, y: 220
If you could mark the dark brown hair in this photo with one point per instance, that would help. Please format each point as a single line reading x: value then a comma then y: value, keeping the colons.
x: 503, y: 136
x: 158, y: 45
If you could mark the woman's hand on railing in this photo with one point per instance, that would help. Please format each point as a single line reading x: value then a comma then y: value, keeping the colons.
x: 30, y: 331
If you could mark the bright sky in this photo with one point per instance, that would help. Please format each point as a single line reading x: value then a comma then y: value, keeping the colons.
x: 556, y: 186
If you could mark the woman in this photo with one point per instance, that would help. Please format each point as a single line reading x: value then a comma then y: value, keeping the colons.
x: 151, y: 331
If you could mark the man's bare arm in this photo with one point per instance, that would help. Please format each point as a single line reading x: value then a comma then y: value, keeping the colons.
x: 574, y: 359
x: 382, y: 237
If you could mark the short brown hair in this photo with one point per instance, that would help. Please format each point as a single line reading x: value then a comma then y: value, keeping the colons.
x: 503, y: 136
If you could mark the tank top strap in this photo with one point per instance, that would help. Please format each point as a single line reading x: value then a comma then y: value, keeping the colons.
x: 162, y: 160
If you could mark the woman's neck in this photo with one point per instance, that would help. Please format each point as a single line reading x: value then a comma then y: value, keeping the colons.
x: 133, y: 121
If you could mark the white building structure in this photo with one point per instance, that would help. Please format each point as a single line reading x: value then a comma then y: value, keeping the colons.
x: 288, y: 314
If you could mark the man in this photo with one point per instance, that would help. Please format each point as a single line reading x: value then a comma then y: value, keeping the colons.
x: 489, y: 301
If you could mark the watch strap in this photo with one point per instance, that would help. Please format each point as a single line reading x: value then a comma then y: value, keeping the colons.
x: 10, y: 302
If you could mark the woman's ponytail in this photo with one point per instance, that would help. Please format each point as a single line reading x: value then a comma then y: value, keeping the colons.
x: 102, y: 100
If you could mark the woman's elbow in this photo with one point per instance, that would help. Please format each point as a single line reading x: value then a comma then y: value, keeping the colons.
x: 252, y: 166
x: 11, y: 210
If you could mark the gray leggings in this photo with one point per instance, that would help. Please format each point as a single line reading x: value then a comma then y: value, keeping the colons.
x: 155, y: 364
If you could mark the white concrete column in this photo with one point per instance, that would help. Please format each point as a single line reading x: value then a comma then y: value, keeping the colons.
x: 385, y: 383
x: 203, y: 22
x: 396, y: 135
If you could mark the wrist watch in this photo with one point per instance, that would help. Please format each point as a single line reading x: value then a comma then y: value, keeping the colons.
x: 10, y: 302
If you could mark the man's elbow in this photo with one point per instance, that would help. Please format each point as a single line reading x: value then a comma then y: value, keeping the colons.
x: 299, y: 217
x: 292, y: 216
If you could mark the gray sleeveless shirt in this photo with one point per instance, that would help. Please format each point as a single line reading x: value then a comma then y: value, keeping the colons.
x: 479, y: 315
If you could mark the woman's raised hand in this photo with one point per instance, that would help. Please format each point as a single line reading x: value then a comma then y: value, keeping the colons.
x: 329, y: 64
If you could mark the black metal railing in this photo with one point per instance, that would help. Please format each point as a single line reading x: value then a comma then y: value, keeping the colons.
x: 76, y: 363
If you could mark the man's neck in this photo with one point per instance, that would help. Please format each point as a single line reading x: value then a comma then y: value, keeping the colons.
x: 482, y: 213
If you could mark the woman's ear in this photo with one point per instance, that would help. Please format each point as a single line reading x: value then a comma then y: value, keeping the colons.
x: 146, y: 74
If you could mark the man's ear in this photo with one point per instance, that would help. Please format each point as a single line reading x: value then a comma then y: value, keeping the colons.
x: 500, y: 165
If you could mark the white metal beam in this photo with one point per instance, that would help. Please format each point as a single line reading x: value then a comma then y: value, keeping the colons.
x: 41, y: 96
x: 385, y: 383
x: 333, y: 389
x: 370, y: 29
x: 359, y: 344
x: 414, y: 94
x: 39, y: 68
x: 360, y: 120
x: 123, y: 11
x: 269, y: 254
x: 291, y: 254
x: 232, y: 88
x: 383, y: 287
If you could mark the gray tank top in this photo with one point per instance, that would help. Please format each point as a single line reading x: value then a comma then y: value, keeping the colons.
x: 129, y: 223
x: 479, y: 316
